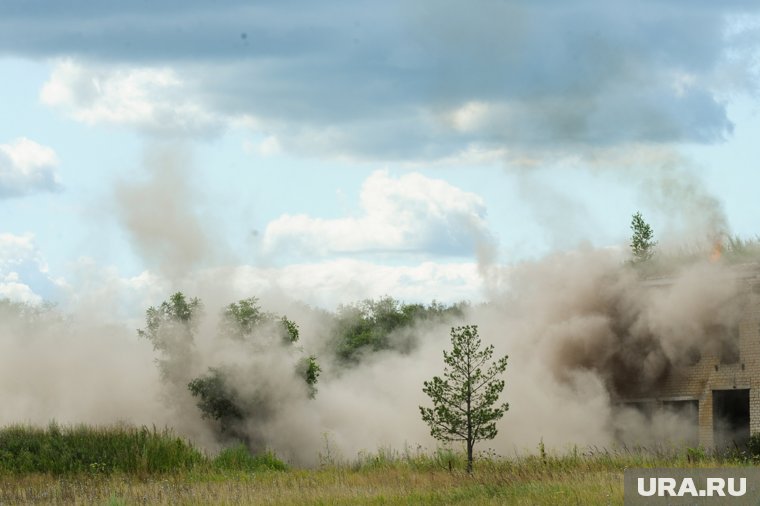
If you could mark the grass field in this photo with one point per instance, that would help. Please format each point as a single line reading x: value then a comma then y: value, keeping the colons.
x: 122, y: 465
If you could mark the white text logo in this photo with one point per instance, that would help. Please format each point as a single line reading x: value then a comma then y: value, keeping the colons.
x: 664, y: 487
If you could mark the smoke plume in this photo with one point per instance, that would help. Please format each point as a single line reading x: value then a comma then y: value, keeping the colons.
x: 583, y: 329
x: 157, y: 215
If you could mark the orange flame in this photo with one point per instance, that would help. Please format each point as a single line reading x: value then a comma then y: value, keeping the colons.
x: 717, y: 251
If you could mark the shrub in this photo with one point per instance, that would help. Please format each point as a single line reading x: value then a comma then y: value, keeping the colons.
x: 60, y: 450
x: 238, y: 458
x: 753, y: 446
x: 696, y: 454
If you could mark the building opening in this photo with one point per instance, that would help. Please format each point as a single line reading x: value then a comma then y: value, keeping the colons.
x: 730, y: 419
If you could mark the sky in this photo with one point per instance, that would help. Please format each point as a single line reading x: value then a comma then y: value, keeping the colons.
x: 334, y: 151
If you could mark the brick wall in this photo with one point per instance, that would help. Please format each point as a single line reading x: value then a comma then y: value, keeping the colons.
x: 699, y: 380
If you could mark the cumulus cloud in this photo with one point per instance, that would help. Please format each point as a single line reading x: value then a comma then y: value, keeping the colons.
x: 16, y: 250
x: 27, y: 167
x: 411, y: 213
x: 106, y: 294
x: 11, y: 288
x: 20, y: 263
x: 154, y: 100
x: 341, y: 281
x: 401, y: 80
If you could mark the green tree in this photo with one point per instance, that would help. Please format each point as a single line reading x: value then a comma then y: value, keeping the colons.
x: 242, y: 318
x: 309, y: 370
x: 216, y: 393
x: 171, y: 328
x: 290, y: 330
x: 464, y: 403
x: 217, y: 400
x: 642, y: 239
x: 222, y: 393
x: 178, y: 311
x: 376, y: 325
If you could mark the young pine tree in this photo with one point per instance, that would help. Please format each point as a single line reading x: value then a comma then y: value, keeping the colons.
x: 464, y: 402
x: 642, y: 239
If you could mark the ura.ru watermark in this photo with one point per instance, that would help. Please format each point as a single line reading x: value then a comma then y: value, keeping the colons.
x: 732, y: 486
x: 670, y: 487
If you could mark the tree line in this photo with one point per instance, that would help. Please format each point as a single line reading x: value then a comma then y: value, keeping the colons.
x: 464, y: 399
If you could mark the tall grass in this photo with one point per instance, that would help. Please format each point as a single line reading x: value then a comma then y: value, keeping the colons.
x: 115, y: 449
x: 59, y: 450
x: 588, y: 476
x: 238, y: 458
x: 127, y: 465
x: 587, y: 459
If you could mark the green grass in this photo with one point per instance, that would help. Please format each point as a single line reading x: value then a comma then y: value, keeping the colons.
x: 58, y: 450
x: 320, y: 486
x: 80, y: 449
x: 124, y: 465
x: 238, y: 458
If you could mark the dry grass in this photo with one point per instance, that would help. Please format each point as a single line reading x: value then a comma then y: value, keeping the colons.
x: 327, y: 486
x: 594, y: 476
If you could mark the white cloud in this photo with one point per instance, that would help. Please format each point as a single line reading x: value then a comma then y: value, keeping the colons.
x: 411, y: 213
x: 270, y: 146
x: 26, y: 167
x: 470, y: 116
x: 16, y: 250
x: 341, y: 281
x: 151, y: 99
x: 104, y: 293
x: 20, y: 257
x: 11, y: 288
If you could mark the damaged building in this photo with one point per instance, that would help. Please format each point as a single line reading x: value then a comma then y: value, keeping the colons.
x: 714, y: 391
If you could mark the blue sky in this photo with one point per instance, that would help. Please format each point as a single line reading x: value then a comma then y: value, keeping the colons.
x: 340, y: 151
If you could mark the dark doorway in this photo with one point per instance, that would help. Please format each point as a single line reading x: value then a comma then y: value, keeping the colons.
x: 731, y: 419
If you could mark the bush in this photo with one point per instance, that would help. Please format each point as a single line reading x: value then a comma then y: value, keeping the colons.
x: 60, y: 450
x: 696, y: 454
x: 238, y: 458
x: 753, y: 446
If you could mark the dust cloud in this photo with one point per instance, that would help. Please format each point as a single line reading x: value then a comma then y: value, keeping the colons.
x: 582, y: 329
x: 156, y: 213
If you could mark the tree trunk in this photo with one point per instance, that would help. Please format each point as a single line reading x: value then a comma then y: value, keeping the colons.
x: 470, y: 444
x: 470, y: 435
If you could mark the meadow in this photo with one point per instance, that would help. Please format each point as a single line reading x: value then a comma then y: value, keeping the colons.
x: 121, y: 465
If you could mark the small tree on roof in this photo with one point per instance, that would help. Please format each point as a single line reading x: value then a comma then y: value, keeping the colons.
x: 642, y: 239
